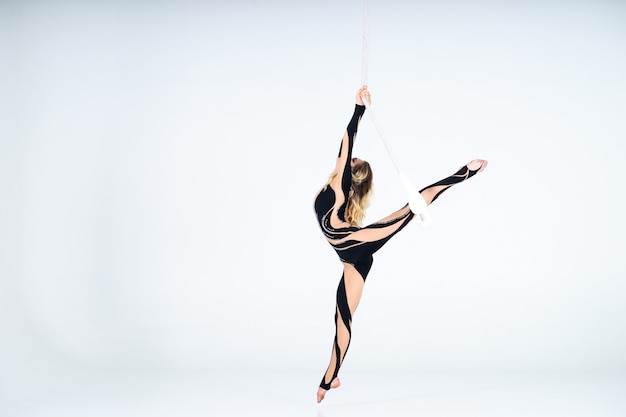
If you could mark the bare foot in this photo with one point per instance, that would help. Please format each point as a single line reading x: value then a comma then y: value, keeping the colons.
x: 321, y: 392
x: 477, y: 164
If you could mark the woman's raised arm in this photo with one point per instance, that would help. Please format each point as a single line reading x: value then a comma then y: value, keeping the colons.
x: 345, y: 151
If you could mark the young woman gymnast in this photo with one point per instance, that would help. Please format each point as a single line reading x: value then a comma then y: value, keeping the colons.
x: 340, y: 207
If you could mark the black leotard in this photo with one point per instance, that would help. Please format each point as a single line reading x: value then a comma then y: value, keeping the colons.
x: 353, y: 244
x: 356, y: 245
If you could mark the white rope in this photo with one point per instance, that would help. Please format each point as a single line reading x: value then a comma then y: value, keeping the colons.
x: 417, y: 203
x: 381, y: 134
x: 365, y: 55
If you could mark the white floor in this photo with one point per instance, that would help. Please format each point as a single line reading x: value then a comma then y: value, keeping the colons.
x: 293, y: 394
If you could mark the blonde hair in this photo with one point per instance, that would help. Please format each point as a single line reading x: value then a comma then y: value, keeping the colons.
x: 360, y: 193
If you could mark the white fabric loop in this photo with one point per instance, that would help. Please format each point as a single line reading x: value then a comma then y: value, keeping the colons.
x: 416, y: 201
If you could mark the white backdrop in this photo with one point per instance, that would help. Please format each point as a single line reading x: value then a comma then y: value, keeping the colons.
x: 158, y: 164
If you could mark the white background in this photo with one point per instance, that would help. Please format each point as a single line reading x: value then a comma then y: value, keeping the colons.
x: 159, y: 160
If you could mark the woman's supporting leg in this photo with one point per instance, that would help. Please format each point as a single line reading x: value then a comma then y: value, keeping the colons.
x: 433, y: 191
x: 348, y: 296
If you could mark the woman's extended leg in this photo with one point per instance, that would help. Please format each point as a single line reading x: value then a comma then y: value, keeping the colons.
x: 364, y: 243
x: 371, y: 238
x: 433, y: 191
x: 348, y: 296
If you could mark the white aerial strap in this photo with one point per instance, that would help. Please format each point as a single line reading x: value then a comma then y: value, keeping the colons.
x: 416, y: 201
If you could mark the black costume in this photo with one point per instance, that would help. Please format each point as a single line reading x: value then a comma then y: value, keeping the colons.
x: 353, y: 244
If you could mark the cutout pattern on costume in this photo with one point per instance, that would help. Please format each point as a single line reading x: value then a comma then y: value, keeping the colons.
x: 356, y: 245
